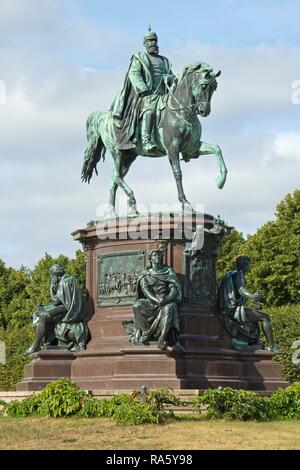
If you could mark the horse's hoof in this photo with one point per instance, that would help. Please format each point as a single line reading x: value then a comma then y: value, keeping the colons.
x: 220, y: 180
x: 187, y: 207
x: 110, y: 214
x: 132, y: 212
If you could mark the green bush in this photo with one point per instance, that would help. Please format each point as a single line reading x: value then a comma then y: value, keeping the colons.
x: 22, y: 408
x: 286, y: 402
x: 129, y: 409
x: 59, y: 398
x: 63, y: 398
x: 233, y: 404
x: 160, y: 397
x: 91, y: 408
x: 109, y: 406
x: 135, y: 413
x: 286, y: 326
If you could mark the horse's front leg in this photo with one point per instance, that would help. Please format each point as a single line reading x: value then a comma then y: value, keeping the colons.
x: 175, y: 165
x: 209, y: 149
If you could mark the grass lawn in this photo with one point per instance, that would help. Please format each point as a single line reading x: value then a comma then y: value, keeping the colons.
x: 185, y: 433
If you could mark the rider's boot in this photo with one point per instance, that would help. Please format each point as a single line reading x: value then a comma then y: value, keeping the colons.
x: 147, y: 126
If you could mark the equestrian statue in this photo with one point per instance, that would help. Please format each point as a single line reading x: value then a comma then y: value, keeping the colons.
x: 154, y: 115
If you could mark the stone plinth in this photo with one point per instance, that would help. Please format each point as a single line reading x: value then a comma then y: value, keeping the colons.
x: 47, y: 365
x: 110, y: 361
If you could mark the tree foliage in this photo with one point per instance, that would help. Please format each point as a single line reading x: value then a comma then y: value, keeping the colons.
x: 232, y: 247
x: 22, y: 290
x: 13, y: 294
x: 275, y: 253
x: 16, y: 340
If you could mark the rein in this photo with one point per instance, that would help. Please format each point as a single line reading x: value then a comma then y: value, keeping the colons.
x: 190, y: 109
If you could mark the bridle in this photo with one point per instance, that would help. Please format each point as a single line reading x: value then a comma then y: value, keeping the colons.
x: 189, y: 110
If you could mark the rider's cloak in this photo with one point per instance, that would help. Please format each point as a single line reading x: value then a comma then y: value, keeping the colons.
x: 152, y: 320
x: 126, y: 106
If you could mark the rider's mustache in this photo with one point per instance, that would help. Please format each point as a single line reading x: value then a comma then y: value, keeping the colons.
x: 153, y: 48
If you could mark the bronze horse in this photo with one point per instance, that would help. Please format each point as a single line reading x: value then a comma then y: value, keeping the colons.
x: 178, y: 130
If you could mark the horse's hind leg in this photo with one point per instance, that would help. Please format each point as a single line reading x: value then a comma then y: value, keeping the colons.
x: 208, y: 149
x: 122, y: 165
x: 112, y: 196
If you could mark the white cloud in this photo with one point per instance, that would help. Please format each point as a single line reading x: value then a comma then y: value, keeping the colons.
x: 20, y: 16
x: 42, y: 128
x: 287, y: 146
x: 256, y: 81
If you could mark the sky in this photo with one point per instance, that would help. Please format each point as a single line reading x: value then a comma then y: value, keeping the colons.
x: 62, y: 59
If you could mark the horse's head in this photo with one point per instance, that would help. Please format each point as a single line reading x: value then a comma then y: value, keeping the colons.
x: 202, y: 83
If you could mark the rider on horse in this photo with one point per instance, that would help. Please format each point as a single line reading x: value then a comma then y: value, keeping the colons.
x: 148, y: 77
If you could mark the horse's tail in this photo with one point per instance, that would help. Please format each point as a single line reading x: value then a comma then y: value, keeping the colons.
x: 95, y: 149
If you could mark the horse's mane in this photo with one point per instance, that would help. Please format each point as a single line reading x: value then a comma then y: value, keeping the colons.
x: 207, y: 76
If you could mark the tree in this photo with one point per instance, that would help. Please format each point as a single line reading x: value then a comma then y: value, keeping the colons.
x: 13, y: 294
x: 21, y: 291
x: 231, y: 248
x: 275, y: 253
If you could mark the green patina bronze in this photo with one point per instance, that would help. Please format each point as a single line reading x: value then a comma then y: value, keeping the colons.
x: 62, y: 323
x: 200, y: 280
x: 117, y: 277
x: 156, y: 309
x: 241, y: 322
x: 200, y: 263
x: 154, y: 115
x: 148, y: 78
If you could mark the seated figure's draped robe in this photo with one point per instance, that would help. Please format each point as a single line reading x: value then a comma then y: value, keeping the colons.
x: 65, y: 314
x: 238, y: 322
x: 151, y: 319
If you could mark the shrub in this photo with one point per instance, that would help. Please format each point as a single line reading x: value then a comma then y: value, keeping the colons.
x: 234, y: 404
x: 20, y: 409
x: 61, y: 398
x: 128, y: 409
x: 110, y: 406
x: 135, y: 412
x: 161, y: 397
x: 91, y: 408
x: 286, y: 402
x: 64, y: 398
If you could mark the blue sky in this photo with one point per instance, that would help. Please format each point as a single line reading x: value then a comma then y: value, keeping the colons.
x: 226, y: 22
x: 62, y: 59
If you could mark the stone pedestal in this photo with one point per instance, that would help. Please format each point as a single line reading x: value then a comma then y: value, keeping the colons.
x: 110, y: 361
x: 47, y: 365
